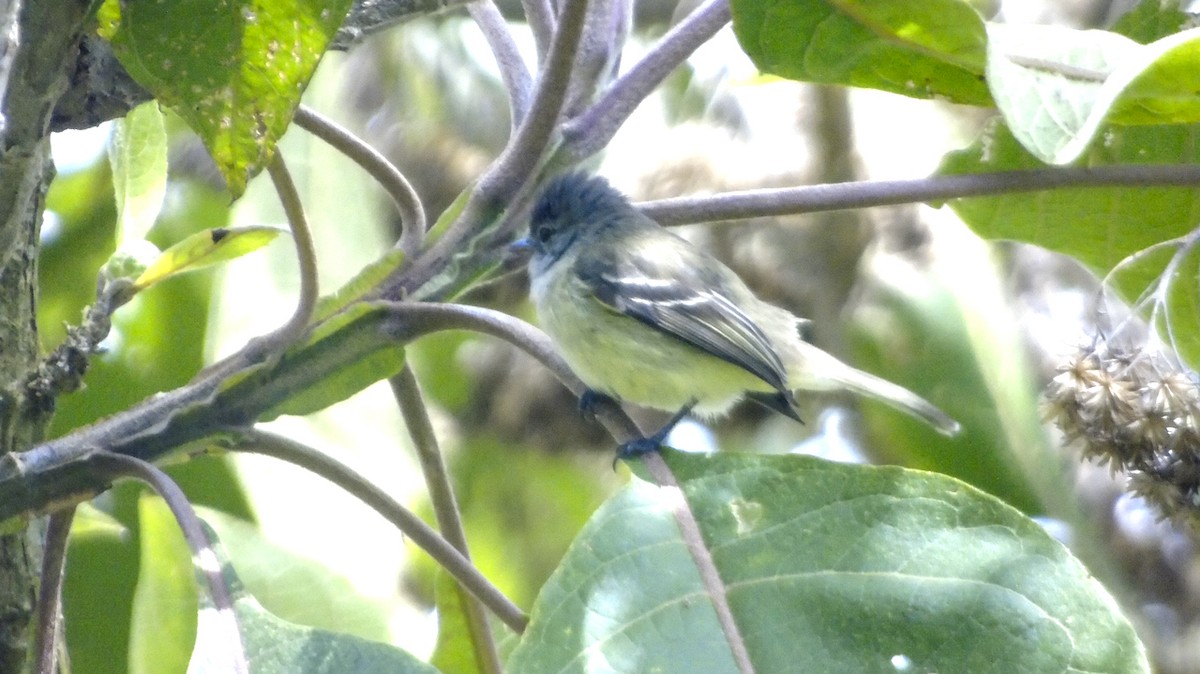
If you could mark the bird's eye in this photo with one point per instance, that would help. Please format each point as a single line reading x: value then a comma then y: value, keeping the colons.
x: 543, y: 233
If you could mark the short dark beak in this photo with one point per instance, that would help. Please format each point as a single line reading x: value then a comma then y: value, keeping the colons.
x: 517, y: 253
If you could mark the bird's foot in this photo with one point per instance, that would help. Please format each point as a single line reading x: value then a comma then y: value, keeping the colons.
x: 590, y: 399
x: 652, y: 443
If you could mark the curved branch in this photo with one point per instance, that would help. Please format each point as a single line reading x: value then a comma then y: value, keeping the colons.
x: 445, y: 507
x: 306, y: 255
x: 539, y: 15
x: 528, y: 145
x: 54, y: 474
x: 49, y: 601
x: 832, y: 197
x: 455, y: 563
x: 408, y: 203
x: 513, y: 72
x: 706, y: 567
x: 421, y: 318
x: 599, y: 53
x: 588, y: 133
x: 113, y: 466
x: 508, y: 178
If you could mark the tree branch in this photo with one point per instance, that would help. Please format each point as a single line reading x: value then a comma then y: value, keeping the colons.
x: 421, y: 318
x: 813, y: 198
x: 455, y: 563
x: 589, y: 132
x: 513, y: 72
x: 368, y: 17
x: 240, y: 390
x: 408, y: 202
x: 49, y: 603
x: 508, y: 178
x: 540, y: 17
x: 445, y: 507
x: 113, y: 466
x: 599, y: 52
x: 306, y: 256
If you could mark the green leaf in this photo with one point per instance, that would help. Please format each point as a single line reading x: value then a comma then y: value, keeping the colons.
x: 1097, y: 226
x: 233, y: 69
x: 138, y: 155
x: 101, y: 574
x: 294, y: 587
x: 1151, y: 20
x: 918, y: 48
x: 827, y: 568
x: 277, y: 646
x: 1100, y: 227
x: 362, y: 283
x: 348, y: 357
x: 1057, y: 87
x: 1048, y: 81
x: 165, y: 602
x: 1165, y: 87
x: 204, y: 249
x: 454, y: 652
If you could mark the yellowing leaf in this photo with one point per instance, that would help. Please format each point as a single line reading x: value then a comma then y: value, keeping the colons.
x: 206, y: 248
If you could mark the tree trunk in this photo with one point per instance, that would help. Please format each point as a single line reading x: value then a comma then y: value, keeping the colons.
x: 38, y: 51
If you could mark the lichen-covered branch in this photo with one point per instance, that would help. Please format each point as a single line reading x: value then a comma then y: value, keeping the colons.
x: 38, y: 44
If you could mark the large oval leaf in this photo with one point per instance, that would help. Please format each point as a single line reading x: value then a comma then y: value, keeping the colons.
x: 827, y: 568
x: 919, y: 48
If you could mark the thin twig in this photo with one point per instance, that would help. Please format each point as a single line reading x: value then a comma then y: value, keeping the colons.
x: 422, y: 318
x: 49, y: 602
x: 513, y: 72
x: 510, y: 174
x: 306, y: 255
x: 598, y: 54
x: 528, y: 145
x: 35, y: 479
x: 453, y: 561
x: 113, y: 466
x: 445, y: 508
x: 588, y: 133
x: 838, y: 196
x: 539, y: 15
x: 710, y: 577
x: 408, y: 203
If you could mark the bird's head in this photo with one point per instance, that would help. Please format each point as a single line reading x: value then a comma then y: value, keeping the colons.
x: 571, y: 206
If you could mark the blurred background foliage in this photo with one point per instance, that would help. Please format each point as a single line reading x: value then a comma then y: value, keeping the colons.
x: 908, y: 293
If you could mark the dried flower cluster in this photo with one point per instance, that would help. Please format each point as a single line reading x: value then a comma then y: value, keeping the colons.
x: 1138, y: 412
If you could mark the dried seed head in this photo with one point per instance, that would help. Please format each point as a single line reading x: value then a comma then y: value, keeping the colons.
x: 1137, y: 412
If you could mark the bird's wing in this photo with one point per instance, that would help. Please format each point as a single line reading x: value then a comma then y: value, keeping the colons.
x: 688, y: 305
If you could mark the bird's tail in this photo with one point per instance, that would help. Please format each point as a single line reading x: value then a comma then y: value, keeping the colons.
x: 824, y: 372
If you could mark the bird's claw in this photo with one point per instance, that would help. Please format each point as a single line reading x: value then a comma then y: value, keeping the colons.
x: 589, y: 400
x: 653, y: 443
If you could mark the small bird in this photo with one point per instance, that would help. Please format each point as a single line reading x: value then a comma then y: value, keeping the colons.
x: 643, y: 316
